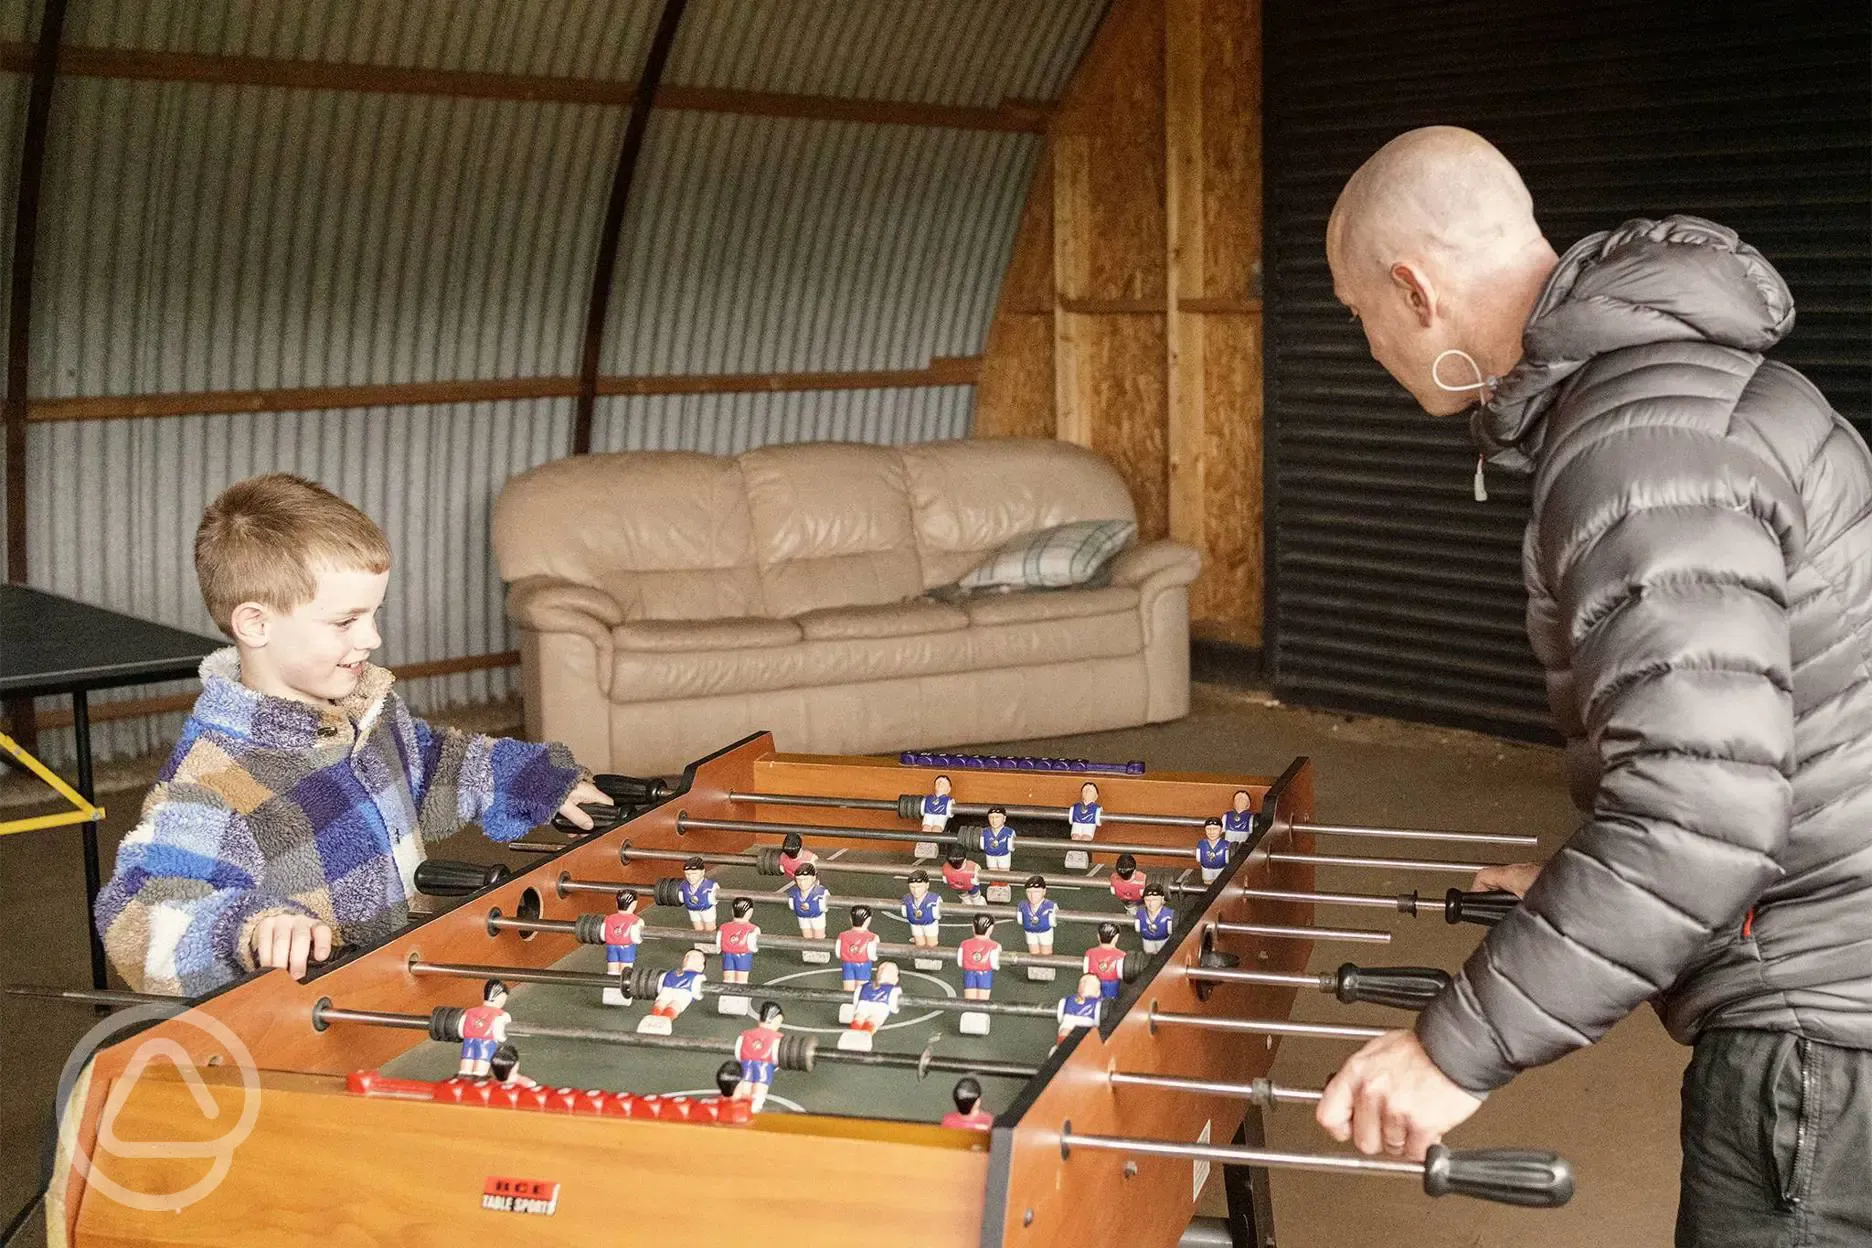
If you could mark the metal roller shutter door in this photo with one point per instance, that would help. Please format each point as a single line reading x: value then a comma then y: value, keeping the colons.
x: 1389, y: 589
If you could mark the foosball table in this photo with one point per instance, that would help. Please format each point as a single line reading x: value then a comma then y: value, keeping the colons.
x: 555, y: 1057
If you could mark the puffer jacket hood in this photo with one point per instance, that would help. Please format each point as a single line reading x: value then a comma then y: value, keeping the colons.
x: 1676, y: 280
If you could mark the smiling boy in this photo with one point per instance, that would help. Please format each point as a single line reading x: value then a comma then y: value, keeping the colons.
x: 292, y: 813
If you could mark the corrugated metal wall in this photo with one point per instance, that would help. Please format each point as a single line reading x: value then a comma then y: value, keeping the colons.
x: 1389, y: 589
x: 207, y: 237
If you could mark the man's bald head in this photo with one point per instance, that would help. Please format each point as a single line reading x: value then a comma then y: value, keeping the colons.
x: 1440, y: 196
x: 1434, y: 248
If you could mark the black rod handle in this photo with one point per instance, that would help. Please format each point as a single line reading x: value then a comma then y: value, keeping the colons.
x: 1510, y: 1176
x: 1487, y: 909
x: 633, y: 790
x: 449, y: 877
x: 1406, y: 987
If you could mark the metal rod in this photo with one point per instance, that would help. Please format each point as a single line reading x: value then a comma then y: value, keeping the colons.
x: 324, y: 1014
x: 565, y: 927
x: 1404, y: 904
x: 1417, y: 834
x: 1234, y: 1156
x: 100, y: 996
x: 1229, y: 975
x: 784, y: 992
x: 1048, y: 845
x: 1389, y: 864
x: 1261, y: 1091
x: 1263, y: 1026
x: 1357, y: 934
x: 1061, y: 814
x: 629, y: 853
x: 992, y: 909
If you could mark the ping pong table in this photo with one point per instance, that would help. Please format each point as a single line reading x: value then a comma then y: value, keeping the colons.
x: 52, y: 645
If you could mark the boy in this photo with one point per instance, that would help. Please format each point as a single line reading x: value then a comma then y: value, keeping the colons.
x: 292, y: 813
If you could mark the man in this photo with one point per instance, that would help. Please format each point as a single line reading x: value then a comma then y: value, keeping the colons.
x: 1699, y: 573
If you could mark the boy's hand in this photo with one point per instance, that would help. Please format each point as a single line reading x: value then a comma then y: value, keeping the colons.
x: 585, y: 792
x: 285, y: 940
x: 1515, y: 877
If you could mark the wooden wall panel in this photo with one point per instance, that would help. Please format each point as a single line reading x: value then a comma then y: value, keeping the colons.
x: 1141, y: 242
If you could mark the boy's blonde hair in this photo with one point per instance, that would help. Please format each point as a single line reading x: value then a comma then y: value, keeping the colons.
x: 264, y: 539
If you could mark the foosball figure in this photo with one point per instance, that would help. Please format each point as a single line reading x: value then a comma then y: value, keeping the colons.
x: 936, y: 808
x: 871, y: 1007
x: 504, y: 1068
x: 623, y: 932
x: 1106, y: 960
x: 483, y: 1030
x: 922, y: 910
x: 1154, y: 919
x: 997, y: 840
x: 963, y: 876
x: 740, y: 941
x: 979, y: 956
x: 698, y: 898
x: 793, y: 852
x: 808, y: 897
x: 968, y: 1114
x: 1238, y: 823
x: 676, y: 992
x: 1038, y: 918
x: 758, y: 1051
x: 857, y: 950
x: 1212, y: 852
x: 1080, y: 1010
x: 727, y: 1079
x: 1127, y: 882
x: 1086, y: 814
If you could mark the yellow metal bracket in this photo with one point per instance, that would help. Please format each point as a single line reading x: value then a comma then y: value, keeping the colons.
x: 81, y: 811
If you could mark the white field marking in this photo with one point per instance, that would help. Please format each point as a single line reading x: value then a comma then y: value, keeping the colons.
x: 839, y: 1031
x: 795, y: 1106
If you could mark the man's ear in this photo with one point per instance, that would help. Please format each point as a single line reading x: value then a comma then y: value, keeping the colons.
x: 250, y: 623
x: 1415, y: 286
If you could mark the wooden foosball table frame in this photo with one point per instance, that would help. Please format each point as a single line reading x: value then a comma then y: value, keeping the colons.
x: 320, y: 1166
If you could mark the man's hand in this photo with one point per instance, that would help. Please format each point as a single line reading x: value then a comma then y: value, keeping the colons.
x: 285, y: 940
x: 1516, y: 877
x: 1390, y: 1096
x: 585, y: 792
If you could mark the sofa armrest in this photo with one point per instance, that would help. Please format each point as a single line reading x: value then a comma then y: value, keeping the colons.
x: 547, y: 604
x: 1155, y: 566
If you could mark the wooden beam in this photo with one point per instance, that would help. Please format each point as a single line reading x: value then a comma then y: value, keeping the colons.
x: 948, y: 371
x: 1183, y: 265
x: 1072, y: 194
x: 1019, y: 116
x: 168, y: 704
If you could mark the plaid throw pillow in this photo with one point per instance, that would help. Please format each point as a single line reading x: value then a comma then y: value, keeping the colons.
x: 1070, y: 554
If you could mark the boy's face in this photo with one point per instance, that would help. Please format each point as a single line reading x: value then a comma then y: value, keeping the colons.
x: 315, y: 652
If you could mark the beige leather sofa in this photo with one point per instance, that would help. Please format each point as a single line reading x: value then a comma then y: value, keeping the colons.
x: 669, y: 603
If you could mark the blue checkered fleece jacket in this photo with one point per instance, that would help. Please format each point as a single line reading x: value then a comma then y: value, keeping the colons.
x: 270, y: 806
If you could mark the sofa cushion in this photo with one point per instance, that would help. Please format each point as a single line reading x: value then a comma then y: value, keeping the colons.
x: 970, y: 497
x: 831, y: 526
x: 897, y: 619
x: 1067, y: 554
x: 649, y: 676
x: 1037, y: 606
x: 665, y: 534
x: 687, y: 636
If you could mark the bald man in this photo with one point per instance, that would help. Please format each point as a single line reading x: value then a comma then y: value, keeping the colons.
x: 1699, y: 573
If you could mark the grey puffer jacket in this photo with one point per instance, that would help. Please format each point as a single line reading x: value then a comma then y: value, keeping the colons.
x: 1699, y: 574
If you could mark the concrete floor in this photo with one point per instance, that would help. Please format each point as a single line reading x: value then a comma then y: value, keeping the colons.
x: 1612, y: 1110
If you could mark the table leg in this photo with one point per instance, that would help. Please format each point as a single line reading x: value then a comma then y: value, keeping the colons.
x: 81, y: 743
x: 1250, y: 1203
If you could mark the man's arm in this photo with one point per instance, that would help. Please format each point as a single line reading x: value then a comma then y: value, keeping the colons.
x: 1675, y: 610
x: 178, y: 913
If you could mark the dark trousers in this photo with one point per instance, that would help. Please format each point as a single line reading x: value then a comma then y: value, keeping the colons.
x: 1777, y: 1143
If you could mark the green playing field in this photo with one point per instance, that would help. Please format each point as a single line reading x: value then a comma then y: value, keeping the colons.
x: 832, y: 1087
